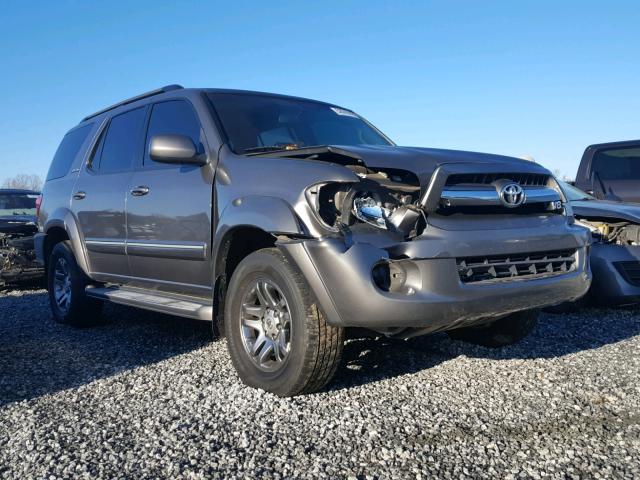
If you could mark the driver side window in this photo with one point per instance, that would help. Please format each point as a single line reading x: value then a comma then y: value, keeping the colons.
x: 175, y: 117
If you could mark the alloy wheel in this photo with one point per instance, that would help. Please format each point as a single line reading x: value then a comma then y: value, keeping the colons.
x: 62, y: 285
x: 265, y: 325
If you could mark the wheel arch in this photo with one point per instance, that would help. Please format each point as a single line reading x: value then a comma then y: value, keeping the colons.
x: 248, y: 224
x: 60, y: 226
x: 232, y: 246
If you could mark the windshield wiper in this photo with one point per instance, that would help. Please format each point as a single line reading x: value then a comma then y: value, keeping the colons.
x: 271, y: 148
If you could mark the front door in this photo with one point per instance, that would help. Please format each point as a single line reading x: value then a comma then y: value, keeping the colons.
x: 169, y: 211
x: 100, y: 195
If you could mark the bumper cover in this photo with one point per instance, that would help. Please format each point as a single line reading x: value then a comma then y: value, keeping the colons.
x: 609, y: 285
x: 340, y: 276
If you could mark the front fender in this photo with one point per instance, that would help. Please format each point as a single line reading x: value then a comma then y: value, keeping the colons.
x: 263, y: 213
x: 270, y: 214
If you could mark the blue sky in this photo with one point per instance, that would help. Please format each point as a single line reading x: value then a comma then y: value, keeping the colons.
x: 518, y: 78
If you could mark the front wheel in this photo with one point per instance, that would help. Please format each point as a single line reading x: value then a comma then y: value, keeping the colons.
x: 502, y: 332
x: 66, y: 283
x: 277, y: 337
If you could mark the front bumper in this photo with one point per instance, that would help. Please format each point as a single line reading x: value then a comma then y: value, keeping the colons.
x: 340, y: 276
x: 609, y: 285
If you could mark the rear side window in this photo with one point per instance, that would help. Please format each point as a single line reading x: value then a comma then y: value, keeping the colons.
x: 121, y: 144
x: 618, y: 163
x: 67, y: 151
x: 174, y: 117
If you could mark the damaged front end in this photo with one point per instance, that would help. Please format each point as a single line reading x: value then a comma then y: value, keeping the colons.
x: 383, y: 198
x: 615, y: 258
x: 611, y: 231
x: 406, y: 254
x: 17, y: 256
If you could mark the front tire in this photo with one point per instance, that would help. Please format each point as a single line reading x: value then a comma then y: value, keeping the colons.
x: 277, y: 337
x: 66, y: 283
x: 502, y: 332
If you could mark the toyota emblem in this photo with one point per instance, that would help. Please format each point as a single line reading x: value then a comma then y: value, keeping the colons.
x: 512, y: 195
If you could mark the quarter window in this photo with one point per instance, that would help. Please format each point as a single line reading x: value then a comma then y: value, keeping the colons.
x: 67, y: 152
x: 175, y: 117
x: 121, y: 143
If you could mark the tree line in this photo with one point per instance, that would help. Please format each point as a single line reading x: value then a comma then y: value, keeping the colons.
x: 24, y: 181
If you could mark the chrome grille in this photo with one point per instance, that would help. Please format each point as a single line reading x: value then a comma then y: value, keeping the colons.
x: 524, y: 179
x: 516, y: 266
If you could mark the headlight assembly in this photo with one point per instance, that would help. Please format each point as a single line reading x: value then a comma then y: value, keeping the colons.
x: 368, y: 210
x: 365, y: 202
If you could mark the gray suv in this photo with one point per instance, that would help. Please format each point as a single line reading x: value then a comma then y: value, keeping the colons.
x: 286, y: 221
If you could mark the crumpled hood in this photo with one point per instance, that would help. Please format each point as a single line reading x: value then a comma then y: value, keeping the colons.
x: 423, y: 161
x: 607, y: 209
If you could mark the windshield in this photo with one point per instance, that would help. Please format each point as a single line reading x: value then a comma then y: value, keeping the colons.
x: 574, y: 194
x: 257, y: 123
x: 17, y: 204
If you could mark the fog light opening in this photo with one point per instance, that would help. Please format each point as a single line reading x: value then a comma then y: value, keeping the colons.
x: 390, y: 277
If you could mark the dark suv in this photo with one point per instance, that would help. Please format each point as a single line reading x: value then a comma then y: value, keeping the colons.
x: 288, y: 220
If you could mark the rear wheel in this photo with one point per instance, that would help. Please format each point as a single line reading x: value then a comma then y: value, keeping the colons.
x: 66, y: 283
x: 277, y: 337
x: 507, y: 330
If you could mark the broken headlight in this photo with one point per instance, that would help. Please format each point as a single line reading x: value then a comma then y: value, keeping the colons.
x: 365, y: 202
x: 371, y: 211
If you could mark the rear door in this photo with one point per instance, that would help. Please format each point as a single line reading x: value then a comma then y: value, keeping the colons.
x: 169, y: 210
x: 100, y: 195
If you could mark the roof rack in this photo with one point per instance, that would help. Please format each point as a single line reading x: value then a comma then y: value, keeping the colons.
x: 157, y: 91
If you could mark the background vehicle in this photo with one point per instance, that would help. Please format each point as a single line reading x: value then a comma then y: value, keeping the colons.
x: 615, y: 252
x: 18, y: 224
x: 294, y: 219
x: 611, y: 171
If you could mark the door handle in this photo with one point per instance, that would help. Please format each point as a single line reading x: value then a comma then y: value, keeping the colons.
x: 79, y: 195
x: 139, y: 191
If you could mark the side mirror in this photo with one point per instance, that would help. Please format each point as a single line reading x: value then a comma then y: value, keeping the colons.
x: 176, y: 149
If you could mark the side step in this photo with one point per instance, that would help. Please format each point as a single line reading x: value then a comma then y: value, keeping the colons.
x: 169, y: 303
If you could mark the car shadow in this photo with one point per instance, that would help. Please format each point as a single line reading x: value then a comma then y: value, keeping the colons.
x: 39, y: 356
x: 368, y: 360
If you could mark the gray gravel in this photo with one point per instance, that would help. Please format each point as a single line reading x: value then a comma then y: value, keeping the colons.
x: 150, y: 396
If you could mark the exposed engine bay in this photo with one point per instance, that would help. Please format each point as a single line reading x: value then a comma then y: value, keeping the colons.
x: 395, y: 199
x: 17, y: 258
x: 611, y: 231
x: 384, y: 198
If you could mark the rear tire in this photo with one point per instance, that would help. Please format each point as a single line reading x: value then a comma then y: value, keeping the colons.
x: 66, y: 283
x: 502, y: 332
x: 277, y: 337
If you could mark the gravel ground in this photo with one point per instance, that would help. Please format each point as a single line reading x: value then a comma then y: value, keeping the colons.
x: 150, y: 396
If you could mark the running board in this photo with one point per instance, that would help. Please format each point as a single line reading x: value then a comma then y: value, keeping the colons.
x: 169, y: 303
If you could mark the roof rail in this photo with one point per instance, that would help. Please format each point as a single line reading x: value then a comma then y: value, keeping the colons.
x: 157, y: 91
